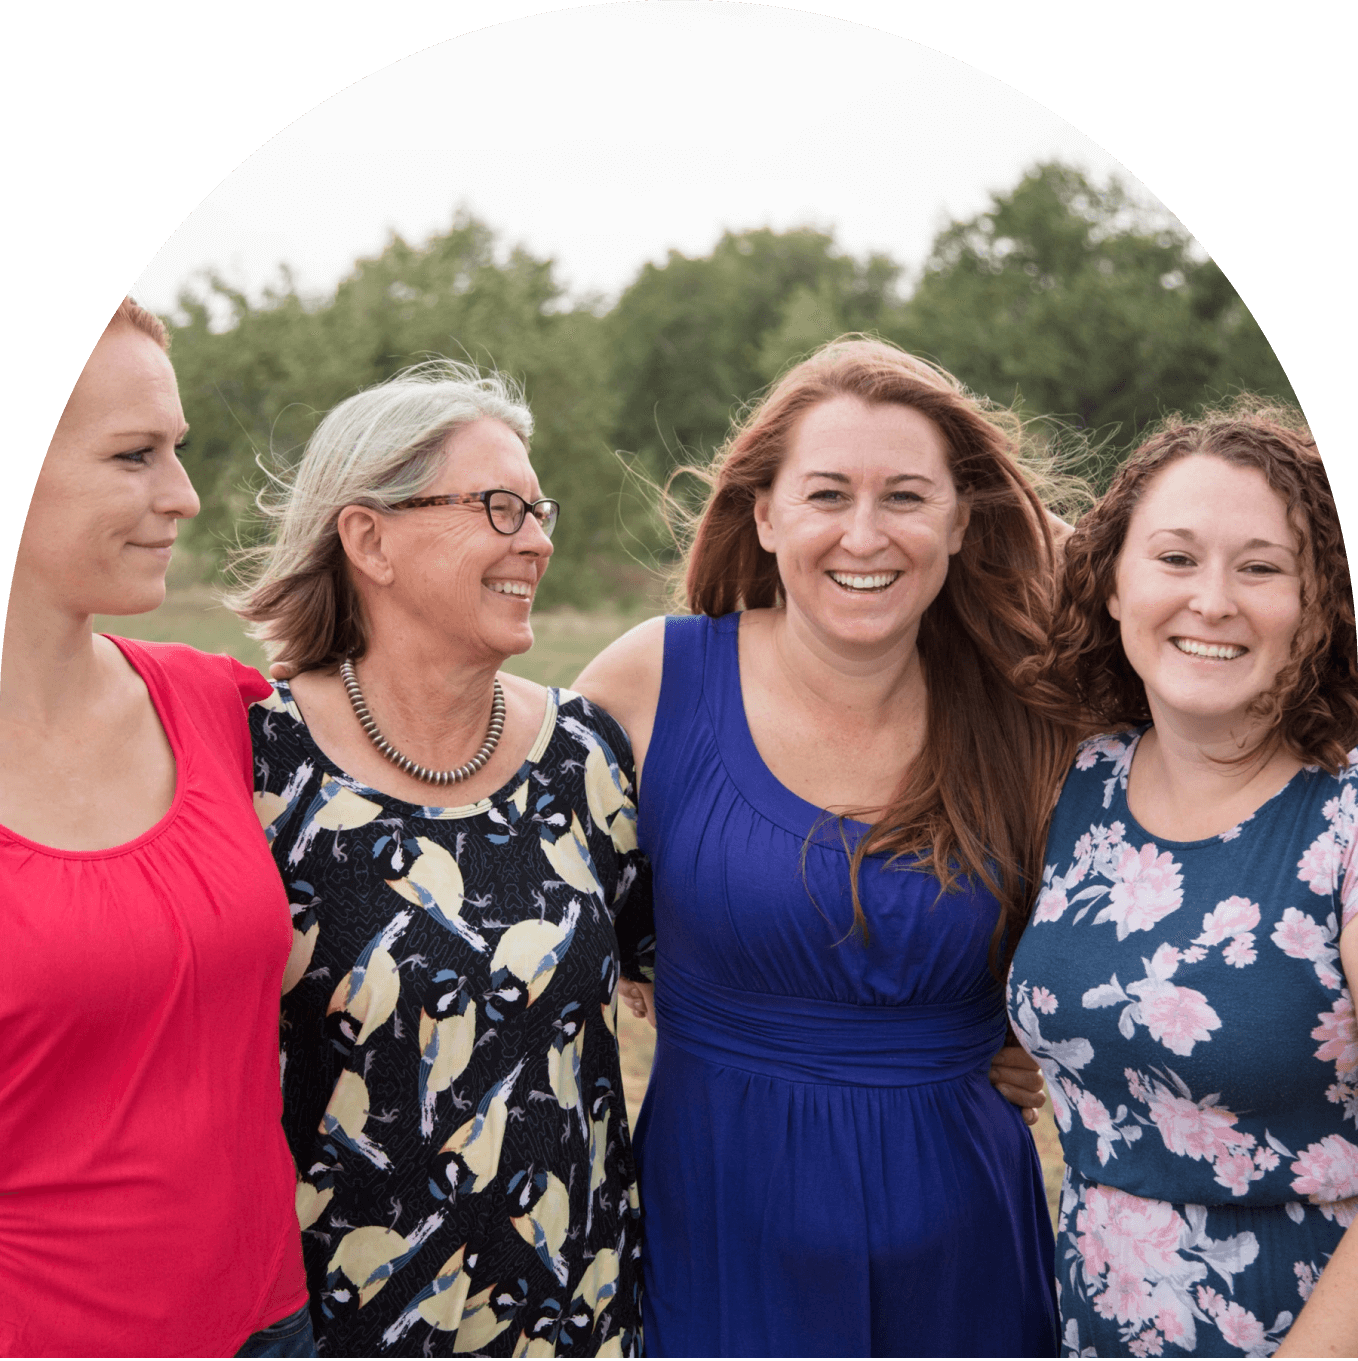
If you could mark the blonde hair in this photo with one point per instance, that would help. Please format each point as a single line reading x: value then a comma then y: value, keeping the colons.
x: 133, y: 314
x: 377, y: 448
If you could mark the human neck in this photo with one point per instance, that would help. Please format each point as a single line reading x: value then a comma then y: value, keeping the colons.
x: 833, y: 678
x: 424, y: 699
x: 1188, y: 783
x: 50, y: 668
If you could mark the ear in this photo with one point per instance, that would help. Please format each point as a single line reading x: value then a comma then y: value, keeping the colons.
x: 961, y: 520
x: 763, y: 519
x: 361, y: 533
x: 1114, y: 606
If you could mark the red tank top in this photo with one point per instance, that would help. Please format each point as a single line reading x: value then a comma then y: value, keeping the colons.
x: 146, y: 1189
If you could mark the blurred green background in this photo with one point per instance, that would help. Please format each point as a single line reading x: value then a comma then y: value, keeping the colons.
x: 1088, y: 311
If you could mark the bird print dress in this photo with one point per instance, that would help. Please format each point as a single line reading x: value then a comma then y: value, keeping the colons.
x: 452, y: 1090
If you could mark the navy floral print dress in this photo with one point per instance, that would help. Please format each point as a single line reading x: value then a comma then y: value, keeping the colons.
x: 1186, y: 1003
x: 452, y: 1091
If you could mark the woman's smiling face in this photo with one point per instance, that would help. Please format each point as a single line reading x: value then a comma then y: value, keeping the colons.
x: 863, y: 517
x: 1208, y: 593
x: 453, y: 568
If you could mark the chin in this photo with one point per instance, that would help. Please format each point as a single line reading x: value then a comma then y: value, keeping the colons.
x: 513, y: 642
x: 138, y: 599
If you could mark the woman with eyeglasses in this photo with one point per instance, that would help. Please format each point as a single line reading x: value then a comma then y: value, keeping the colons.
x: 455, y: 843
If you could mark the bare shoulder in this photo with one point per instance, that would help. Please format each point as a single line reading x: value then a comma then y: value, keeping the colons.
x: 624, y: 679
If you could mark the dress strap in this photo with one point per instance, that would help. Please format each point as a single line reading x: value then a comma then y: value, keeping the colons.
x: 681, y: 679
x: 681, y: 720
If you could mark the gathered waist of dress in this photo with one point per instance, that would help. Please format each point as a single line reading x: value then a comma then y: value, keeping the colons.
x: 809, y: 1039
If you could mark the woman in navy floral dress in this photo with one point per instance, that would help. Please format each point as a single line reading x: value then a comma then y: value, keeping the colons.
x: 1186, y: 979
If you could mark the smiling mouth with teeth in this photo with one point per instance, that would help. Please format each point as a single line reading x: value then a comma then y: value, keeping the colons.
x: 1221, y: 652
x: 851, y: 581
x: 521, y: 589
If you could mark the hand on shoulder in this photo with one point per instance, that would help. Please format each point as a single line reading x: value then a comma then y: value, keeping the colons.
x: 624, y: 679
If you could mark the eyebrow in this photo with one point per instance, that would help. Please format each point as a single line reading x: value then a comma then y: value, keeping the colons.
x: 1251, y: 543
x: 149, y: 435
x: 891, y: 481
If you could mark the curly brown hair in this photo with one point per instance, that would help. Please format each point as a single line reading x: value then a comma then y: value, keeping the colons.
x: 1312, y: 707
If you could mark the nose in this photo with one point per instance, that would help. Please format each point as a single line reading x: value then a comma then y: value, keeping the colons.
x: 175, y: 497
x: 1212, y: 595
x: 531, y: 540
x: 863, y: 534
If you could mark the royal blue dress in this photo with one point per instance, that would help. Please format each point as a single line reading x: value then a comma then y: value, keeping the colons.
x: 825, y: 1169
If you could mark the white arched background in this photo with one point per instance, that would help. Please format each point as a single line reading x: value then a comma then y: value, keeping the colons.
x: 604, y: 135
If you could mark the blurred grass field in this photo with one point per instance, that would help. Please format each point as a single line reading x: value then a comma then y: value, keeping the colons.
x: 566, y: 640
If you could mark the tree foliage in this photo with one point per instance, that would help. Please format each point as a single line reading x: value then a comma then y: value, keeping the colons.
x: 1063, y: 296
x: 692, y: 340
x: 263, y: 382
x: 1075, y: 302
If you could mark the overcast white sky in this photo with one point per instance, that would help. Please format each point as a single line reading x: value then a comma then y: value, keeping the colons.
x: 604, y: 137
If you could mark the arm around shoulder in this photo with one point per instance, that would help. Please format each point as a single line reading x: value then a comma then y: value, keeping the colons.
x: 624, y: 679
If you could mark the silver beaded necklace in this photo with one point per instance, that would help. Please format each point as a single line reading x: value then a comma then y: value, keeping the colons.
x: 439, y: 777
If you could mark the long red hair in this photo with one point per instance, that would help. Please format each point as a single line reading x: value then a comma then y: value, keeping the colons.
x: 975, y: 800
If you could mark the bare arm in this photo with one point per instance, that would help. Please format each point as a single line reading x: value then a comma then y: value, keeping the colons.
x: 624, y: 679
x: 1328, y: 1324
x: 1015, y: 1075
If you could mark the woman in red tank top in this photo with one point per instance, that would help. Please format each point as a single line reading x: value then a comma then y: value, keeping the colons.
x: 146, y: 1189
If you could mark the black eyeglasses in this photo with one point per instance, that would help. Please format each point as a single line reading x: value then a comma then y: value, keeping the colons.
x: 505, y: 510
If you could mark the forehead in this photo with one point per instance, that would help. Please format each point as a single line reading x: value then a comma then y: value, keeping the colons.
x: 127, y: 381
x: 1215, y: 500
x: 845, y: 434
x: 488, y: 453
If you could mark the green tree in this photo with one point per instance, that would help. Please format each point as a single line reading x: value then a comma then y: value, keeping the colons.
x: 1075, y: 302
x: 264, y: 380
x: 694, y: 339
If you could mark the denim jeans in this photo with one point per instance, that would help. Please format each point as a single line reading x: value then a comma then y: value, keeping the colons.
x: 290, y: 1336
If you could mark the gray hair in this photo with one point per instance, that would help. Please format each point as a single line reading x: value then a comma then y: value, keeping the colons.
x: 377, y: 448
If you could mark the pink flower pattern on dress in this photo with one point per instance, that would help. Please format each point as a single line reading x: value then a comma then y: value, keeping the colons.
x: 1338, y: 1034
x: 1179, y: 1018
x: 1147, y: 889
x: 1145, y: 1277
x: 1240, y: 950
x: 1230, y: 917
x: 1299, y: 936
x: 1307, y: 1275
x: 1050, y: 905
x: 1319, y: 865
x: 1327, y: 1171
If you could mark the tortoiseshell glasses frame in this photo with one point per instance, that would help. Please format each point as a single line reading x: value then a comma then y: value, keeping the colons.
x: 506, y: 510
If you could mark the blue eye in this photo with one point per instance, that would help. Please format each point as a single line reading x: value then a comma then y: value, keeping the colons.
x: 136, y: 456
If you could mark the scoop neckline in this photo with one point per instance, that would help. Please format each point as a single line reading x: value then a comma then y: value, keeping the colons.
x: 1225, y: 837
x: 751, y: 774
x: 436, y: 812
x: 142, y: 839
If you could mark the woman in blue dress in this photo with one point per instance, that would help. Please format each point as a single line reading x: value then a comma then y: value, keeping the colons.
x: 1187, y: 979
x: 842, y: 801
